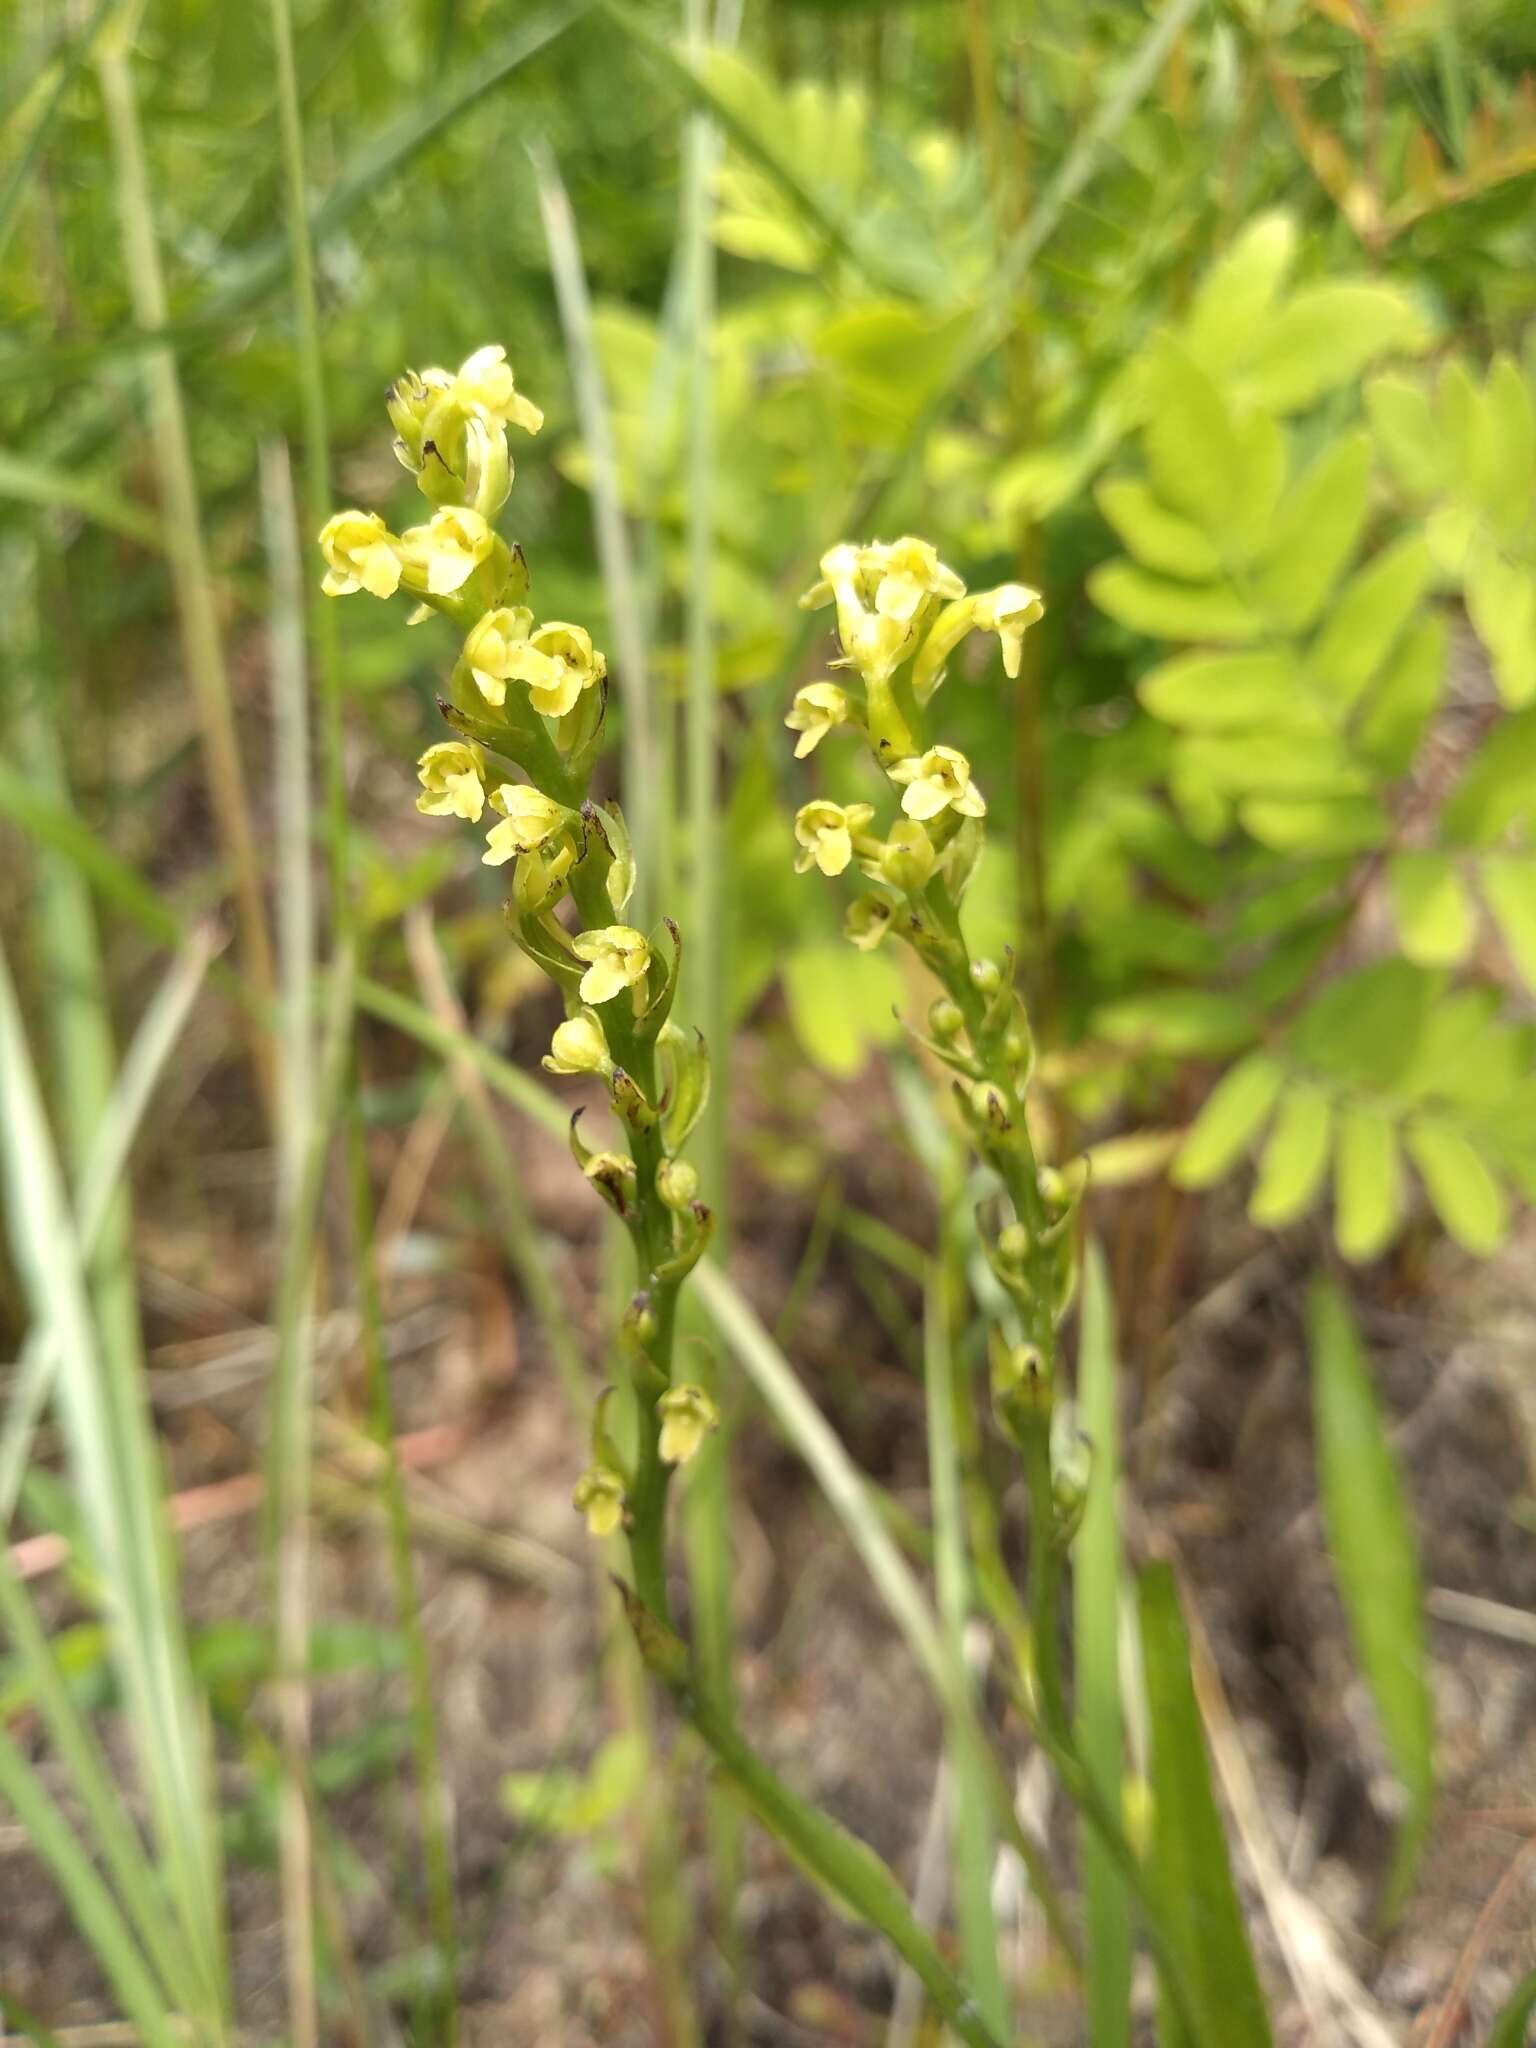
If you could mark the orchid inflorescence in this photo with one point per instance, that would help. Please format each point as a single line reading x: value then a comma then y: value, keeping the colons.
x: 527, y: 702
x: 901, y: 615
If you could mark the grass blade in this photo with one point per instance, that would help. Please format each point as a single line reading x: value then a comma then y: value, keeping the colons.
x: 115, y: 1472
x: 708, y: 1507
x: 1187, y: 1867
x: 54, y: 824
x: 26, y: 158
x: 1375, y: 1557
x: 808, y: 1432
x: 39, y: 483
x: 295, y: 891
x: 803, y: 1423
x: 117, y: 1843
x: 289, y: 1471
x: 1510, y: 2029
x: 156, y: 1039
x: 844, y: 237
x: 382, y: 158
x: 94, y: 1909
x: 196, y: 605
x: 641, y: 783
x: 1098, y: 1577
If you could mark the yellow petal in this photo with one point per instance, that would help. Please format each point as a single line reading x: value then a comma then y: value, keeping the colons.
x: 834, y: 850
x: 924, y: 799
x: 378, y: 571
x: 602, y: 981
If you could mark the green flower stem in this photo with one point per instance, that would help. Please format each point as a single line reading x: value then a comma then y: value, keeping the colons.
x: 651, y: 1229
x: 1045, y: 1559
x: 844, y: 1866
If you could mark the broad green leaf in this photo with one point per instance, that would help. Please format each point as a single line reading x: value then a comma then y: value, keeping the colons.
x: 1367, y: 1183
x: 1371, y: 1542
x: 1369, y: 614
x: 1222, y: 692
x: 1188, y: 1867
x: 1194, y: 454
x: 1436, y: 921
x: 1324, y: 336
x: 1170, y: 611
x: 1264, y: 465
x: 1407, y: 433
x: 1401, y: 702
x: 1185, y: 1023
x: 1237, y: 293
x: 1510, y: 2029
x: 1155, y: 536
x: 1096, y: 1587
x: 1509, y: 885
x: 841, y: 1003
x: 1459, y: 403
x: 1315, y: 533
x: 1311, y: 764
x: 1231, y: 1115
x: 1468, y: 1199
x: 889, y: 357
x: 1509, y: 423
x: 1294, y: 1161
x: 1501, y: 603
x: 1497, y: 791
x: 1316, y: 825
x: 1366, y: 1029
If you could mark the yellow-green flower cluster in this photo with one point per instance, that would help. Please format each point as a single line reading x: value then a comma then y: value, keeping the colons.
x: 527, y: 702
x: 901, y: 613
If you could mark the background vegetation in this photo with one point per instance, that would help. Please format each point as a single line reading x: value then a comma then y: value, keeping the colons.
x: 1214, y: 322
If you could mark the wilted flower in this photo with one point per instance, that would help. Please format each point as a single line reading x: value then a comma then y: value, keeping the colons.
x: 360, y: 554
x: 687, y: 1417
x: 451, y: 777
x: 868, y: 921
x: 613, y: 1175
x: 825, y: 832
x: 448, y: 549
x: 529, y: 817
x: 619, y: 958
x: 599, y: 1495
x: 939, y: 780
x: 578, y: 1047
x: 817, y: 710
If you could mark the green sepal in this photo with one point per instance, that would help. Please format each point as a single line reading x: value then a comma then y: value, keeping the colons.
x: 670, y: 1272
x: 687, y: 1092
x: 660, y: 983
x: 604, y: 1450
